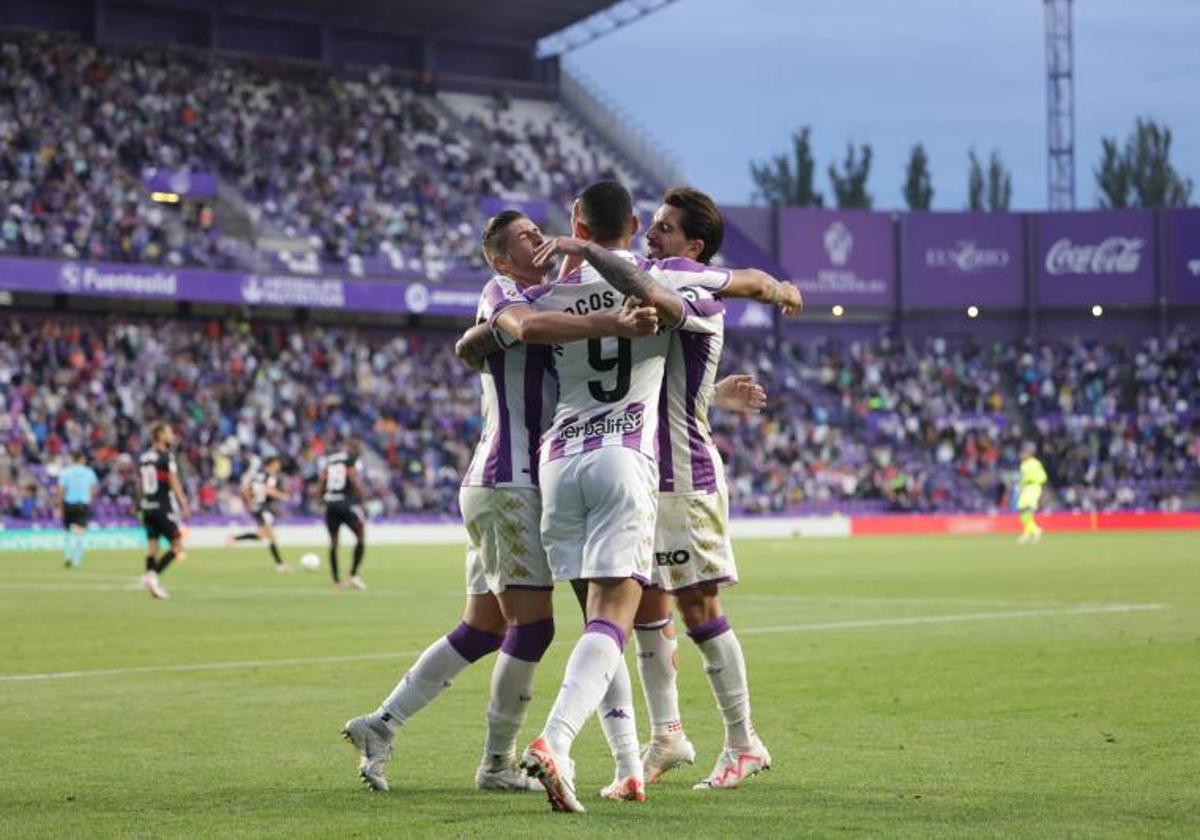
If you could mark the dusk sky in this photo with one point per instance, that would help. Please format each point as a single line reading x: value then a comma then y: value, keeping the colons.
x: 720, y: 83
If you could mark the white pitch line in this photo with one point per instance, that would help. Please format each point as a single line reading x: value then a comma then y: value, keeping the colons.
x: 205, y: 666
x: 906, y: 621
x: 202, y: 591
x: 742, y: 631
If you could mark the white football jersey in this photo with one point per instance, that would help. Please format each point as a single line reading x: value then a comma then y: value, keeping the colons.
x: 609, y: 389
x: 517, y: 402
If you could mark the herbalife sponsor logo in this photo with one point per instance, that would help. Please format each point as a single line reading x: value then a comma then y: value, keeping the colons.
x: 293, y: 291
x: 1114, y: 255
x: 82, y: 279
x: 967, y: 257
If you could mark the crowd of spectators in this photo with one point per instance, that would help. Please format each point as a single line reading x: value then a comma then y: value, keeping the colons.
x: 234, y: 394
x: 345, y: 166
x: 850, y: 427
x: 934, y: 426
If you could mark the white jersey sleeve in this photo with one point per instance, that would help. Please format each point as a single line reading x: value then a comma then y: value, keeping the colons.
x: 677, y: 272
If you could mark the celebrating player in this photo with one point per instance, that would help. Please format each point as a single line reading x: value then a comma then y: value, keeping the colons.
x: 508, y: 581
x: 599, y: 479
x: 692, y: 551
x: 1029, y: 493
x: 343, y: 492
x: 77, y: 486
x: 260, y: 489
x: 162, y: 504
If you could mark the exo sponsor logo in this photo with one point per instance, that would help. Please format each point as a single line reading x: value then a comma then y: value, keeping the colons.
x: 967, y: 257
x: 1114, y: 255
x: 678, y: 557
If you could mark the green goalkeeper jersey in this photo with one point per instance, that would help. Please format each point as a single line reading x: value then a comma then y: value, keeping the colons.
x: 1033, y: 474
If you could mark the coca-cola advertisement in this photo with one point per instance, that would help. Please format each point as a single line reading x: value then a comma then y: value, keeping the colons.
x: 953, y: 260
x: 839, y: 257
x: 1183, y: 228
x: 1104, y: 257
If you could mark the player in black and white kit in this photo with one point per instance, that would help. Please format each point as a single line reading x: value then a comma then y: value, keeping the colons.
x: 343, y: 492
x: 261, y: 489
x: 162, y: 505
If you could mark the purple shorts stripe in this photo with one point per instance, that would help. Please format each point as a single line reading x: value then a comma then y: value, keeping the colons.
x: 709, y: 630
x: 528, y: 642
x: 472, y: 644
x: 529, y: 587
x: 606, y: 628
x: 653, y: 625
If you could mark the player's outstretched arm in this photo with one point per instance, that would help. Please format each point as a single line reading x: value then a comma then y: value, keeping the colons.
x: 740, y: 392
x: 532, y: 326
x: 762, y: 287
x: 621, y: 274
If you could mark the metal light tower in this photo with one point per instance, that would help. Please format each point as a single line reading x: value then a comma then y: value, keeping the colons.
x: 1060, y: 105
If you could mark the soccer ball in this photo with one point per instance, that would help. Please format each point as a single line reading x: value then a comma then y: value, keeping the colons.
x: 310, y: 562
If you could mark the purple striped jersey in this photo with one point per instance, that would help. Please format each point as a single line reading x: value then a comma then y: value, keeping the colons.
x: 688, y: 460
x: 518, y: 402
x: 609, y: 388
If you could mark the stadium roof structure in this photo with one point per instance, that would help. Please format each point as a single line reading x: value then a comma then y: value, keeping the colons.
x: 517, y: 20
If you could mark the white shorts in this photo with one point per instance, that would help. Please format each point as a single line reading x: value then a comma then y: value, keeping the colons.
x: 598, y: 513
x: 691, y: 541
x: 504, y: 547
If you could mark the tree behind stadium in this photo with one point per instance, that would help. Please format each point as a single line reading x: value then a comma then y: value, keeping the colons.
x: 779, y: 182
x: 1141, y: 173
x: 850, y: 185
x: 918, y: 185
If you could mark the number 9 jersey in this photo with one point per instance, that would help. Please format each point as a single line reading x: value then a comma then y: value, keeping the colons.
x: 608, y: 388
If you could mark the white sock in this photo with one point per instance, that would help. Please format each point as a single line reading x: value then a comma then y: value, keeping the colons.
x: 656, y: 667
x: 512, y: 689
x: 726, y: 672
x: 619, y: 724
x: 429, y: 677
x: 589, y: 671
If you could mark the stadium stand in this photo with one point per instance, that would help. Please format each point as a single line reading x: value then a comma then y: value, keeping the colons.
x: 855, y: 428
x: 379, y: 173
x: 339, y: 168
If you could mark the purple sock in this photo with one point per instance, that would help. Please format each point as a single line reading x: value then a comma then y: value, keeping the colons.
x: 709, y: 629
x: 528, y: 642
x: 471, y: 644
x: 606, y: 628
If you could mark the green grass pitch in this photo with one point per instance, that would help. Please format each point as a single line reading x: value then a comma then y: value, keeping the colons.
x: 957, y: 686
